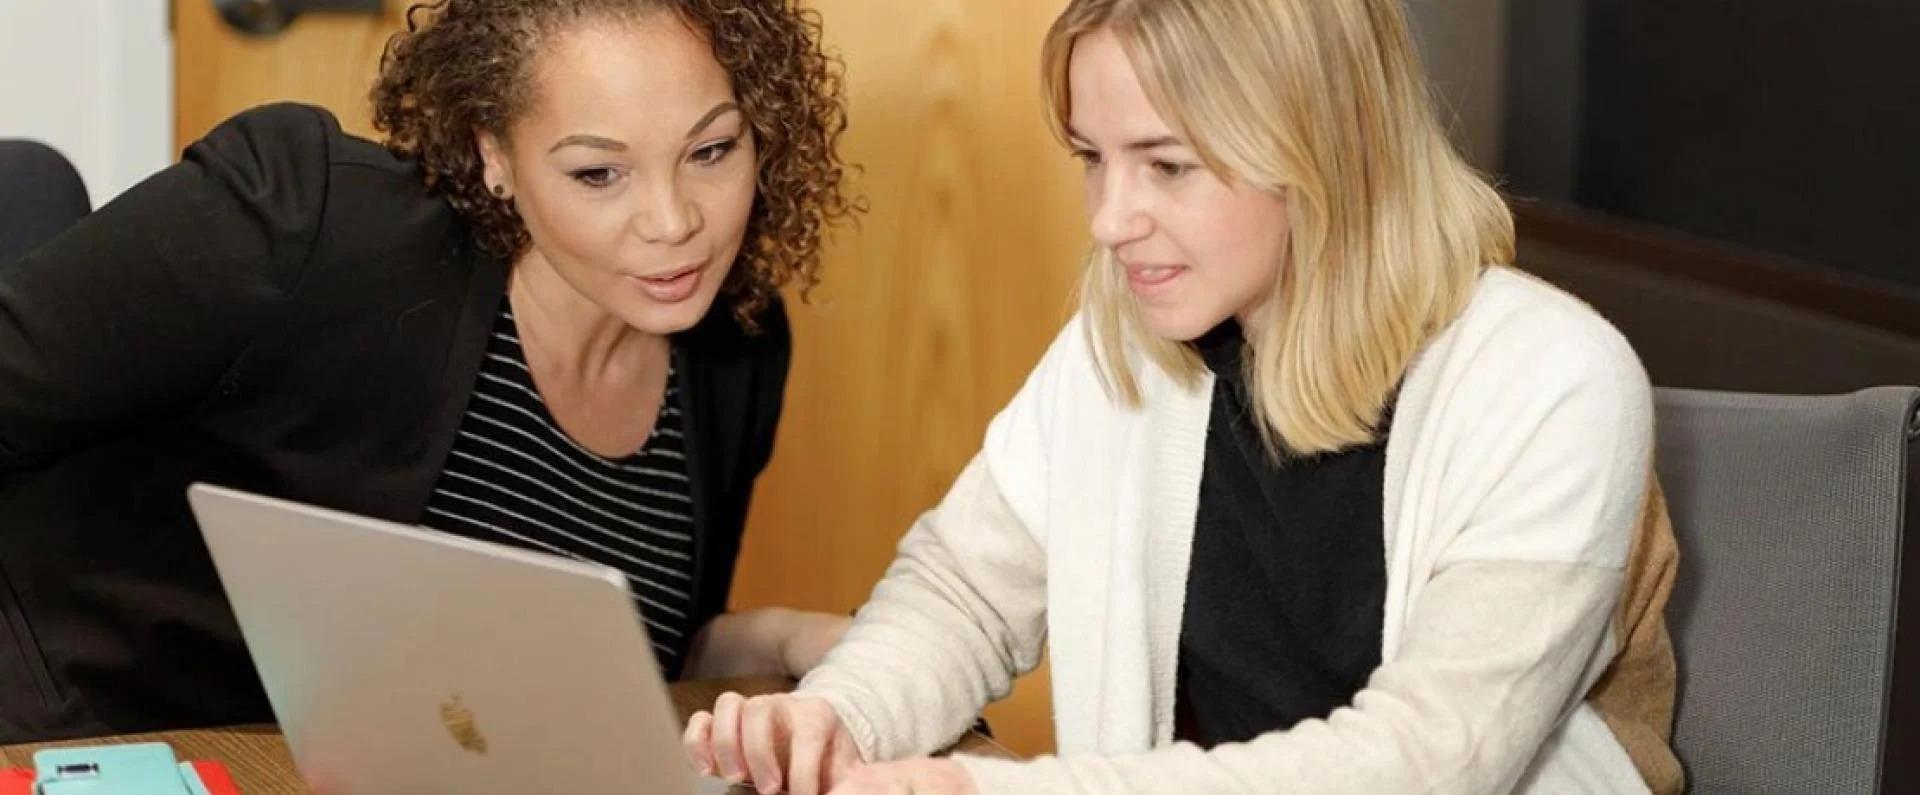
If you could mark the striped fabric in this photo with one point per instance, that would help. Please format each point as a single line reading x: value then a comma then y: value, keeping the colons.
x: 513, y: 477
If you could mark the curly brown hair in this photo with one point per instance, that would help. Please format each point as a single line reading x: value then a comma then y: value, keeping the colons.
x: 466, y: 65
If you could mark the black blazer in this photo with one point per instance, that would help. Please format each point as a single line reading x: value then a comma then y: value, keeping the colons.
x: 286, y: 311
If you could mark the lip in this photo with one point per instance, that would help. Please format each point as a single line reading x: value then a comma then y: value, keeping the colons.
x: 669, y: 286
x: 1149, y: 280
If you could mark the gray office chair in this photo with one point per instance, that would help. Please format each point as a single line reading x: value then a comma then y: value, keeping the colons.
x: 1796, y: 674
x: 40, y: 196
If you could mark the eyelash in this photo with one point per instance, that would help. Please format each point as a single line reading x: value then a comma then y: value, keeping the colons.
x: 719, y: 150
x: 1171, y: 170
x: 1165, y: 168
x: 596, y: 178
x: 604, y: 176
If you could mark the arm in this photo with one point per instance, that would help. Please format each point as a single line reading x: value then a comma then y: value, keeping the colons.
x: 133, y: 315
x: 929, y: 649
x: 769, y: 641
x: 958, y: 615
x: 1544, y: 484
x: 962, y: 609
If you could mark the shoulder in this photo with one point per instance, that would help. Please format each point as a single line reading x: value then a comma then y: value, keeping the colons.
x: 299, y: 154
x: 1525, y: 366
x: 1509, y: 300
x: 1064, y: 392
x: 273, y: 159
x: 282, y: 131
x: 1520, y: 330
x: 294, y: 140
x: 295, y: 131
x: 1074, y: 381
x: 1533, y: 415
x: 1063, y: 407
x: 1069, y: 372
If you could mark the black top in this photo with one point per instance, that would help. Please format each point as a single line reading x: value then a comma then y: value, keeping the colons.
x: 286, y: 311
x: 514, y: 477
x: 1288, y: 577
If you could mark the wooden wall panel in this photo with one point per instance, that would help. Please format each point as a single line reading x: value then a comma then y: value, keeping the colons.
x: 328, y: 60
x: 934, y: 307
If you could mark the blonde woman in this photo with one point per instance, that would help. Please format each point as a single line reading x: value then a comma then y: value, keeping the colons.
x: 1313, y: 495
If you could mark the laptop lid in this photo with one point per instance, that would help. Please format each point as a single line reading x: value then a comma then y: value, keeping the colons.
x: 400, y: 659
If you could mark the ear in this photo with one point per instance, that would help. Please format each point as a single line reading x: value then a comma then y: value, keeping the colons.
x: 496, y: 167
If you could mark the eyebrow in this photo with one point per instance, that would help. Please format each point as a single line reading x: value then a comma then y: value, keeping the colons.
x: 602, y: 142
x: 717, y: 112
x: 589, y: 141
x: 1141, y: 145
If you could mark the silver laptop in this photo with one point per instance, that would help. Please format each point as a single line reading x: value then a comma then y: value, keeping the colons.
x: 400, y: 659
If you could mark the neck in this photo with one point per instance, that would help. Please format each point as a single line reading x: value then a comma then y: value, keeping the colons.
x: 574, y: 335
x: 1254, y: 319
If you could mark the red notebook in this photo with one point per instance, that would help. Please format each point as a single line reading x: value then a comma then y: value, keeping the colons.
x: 213, y: 776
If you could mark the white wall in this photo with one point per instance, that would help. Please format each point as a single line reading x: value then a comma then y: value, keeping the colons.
x: 93, y: 78
x: 1464, y: 46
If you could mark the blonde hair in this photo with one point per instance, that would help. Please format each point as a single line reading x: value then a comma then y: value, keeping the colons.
x: 1324, y: 101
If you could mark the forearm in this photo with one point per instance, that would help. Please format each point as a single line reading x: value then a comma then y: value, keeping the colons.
x: 1501, y: 655
x: 960, y: 612
x: 768, y: 641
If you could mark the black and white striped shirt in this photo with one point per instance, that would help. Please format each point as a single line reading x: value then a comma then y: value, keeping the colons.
x: 514, y: 477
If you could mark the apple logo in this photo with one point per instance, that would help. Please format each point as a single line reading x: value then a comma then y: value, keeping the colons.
x: 459, y: 722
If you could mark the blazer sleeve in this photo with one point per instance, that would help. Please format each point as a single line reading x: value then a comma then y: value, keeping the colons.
x: 770, y: 384
x: 133, y: 315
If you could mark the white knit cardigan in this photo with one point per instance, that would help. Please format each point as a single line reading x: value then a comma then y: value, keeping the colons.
x: 1515, y: 471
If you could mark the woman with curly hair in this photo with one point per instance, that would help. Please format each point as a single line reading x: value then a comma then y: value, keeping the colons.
x: 545, y: 313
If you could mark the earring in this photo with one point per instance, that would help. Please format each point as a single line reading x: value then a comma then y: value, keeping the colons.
x: 500, y: 191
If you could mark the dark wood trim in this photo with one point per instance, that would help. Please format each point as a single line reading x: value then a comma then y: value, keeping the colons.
x: 1830, y: 291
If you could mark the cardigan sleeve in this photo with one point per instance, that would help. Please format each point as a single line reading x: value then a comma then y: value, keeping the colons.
x: 962, y: 610
x: 959, y: 614
x: 1539, y: 483
x: 133, y: 315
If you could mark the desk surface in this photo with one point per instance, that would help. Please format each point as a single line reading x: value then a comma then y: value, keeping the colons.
x: 261, y: 765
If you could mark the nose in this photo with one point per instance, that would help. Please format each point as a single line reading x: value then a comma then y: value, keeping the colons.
x: 1115, y: 210
x: 667, y: 215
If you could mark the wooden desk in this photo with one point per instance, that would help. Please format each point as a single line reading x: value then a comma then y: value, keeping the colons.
x: 261, y: 764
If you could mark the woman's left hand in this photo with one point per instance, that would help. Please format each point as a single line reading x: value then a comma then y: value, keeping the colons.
x: 910, y: 777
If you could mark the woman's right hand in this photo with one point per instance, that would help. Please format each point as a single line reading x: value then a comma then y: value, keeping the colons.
x: 795, y: 743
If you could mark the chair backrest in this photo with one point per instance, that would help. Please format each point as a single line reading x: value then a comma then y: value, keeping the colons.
x: 1790, y: 513
x: 40, y: 196
x: 1734, y: 340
